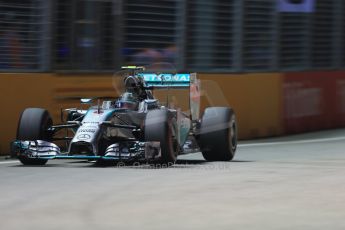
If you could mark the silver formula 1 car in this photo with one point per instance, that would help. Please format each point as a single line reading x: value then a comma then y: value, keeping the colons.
x: 135, y: 127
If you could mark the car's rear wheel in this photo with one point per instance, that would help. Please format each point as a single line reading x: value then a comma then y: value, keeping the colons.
x: 33, y: 125
x: 159, y: 127
x: 218, y: 134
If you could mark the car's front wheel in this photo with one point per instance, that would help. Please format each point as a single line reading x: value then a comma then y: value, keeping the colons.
x: 33, y: 125
x: 159, y: 127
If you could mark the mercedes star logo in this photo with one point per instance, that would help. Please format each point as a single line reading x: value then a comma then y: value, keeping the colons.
x: 83, y: 137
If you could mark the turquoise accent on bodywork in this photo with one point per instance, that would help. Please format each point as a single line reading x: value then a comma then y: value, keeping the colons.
x: 166, y: 79
x: 83, y: 157
x: 79, y: 157
x: 184, y: 132
x: 20, y: 144
x: 183, y: 127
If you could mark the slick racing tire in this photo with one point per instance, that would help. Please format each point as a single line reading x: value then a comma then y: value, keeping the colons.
x: 159, y: 127
x: 218, y: 134
x: 33, y: 125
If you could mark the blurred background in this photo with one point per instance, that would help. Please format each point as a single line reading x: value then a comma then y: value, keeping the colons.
x: 279, y: 63
x: 195, y: 35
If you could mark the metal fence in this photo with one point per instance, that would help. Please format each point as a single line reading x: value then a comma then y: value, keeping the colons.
x: 150, y: 30
x: 23, y: 39
x: 195, y: 35
x: 85, y: 35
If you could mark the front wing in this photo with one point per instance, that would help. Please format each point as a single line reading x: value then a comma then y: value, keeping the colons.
x: 123, y: 151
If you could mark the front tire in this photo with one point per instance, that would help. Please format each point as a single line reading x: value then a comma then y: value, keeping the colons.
x: 218, y: 134
x: 159, y: 127
x: 33, y: 125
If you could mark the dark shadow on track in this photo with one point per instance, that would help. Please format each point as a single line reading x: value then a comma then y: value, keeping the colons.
x: 191, y: 162
x: 241, y: 161
x: 180, y: 163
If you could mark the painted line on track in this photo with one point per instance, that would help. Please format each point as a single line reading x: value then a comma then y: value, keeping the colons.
x: 319, y: 140
x: 8, y: 162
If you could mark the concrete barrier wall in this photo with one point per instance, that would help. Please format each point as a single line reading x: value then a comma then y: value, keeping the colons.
x: 313, y: 101
x: 19, y: 91
x: 16, y: 93
x: 258, y: 99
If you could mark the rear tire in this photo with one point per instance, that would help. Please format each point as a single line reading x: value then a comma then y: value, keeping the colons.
x: 33, y: 125
x: 159, y: 127
x: 218, y: 134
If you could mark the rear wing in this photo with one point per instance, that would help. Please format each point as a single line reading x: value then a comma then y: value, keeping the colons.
x: 177, y: 81
x: 166, y: 80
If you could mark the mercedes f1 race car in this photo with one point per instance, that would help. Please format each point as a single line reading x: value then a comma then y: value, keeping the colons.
x: 134, y: 127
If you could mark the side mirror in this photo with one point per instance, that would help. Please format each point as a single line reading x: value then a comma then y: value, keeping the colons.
x: 86, y: 100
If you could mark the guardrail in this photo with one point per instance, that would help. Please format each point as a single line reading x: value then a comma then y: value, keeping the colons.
x: 266, y: 104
